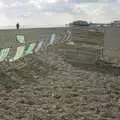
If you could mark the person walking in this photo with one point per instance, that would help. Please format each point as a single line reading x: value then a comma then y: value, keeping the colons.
x: 18, y: 27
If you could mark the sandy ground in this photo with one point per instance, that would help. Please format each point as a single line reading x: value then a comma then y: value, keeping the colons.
x: 51, y: 89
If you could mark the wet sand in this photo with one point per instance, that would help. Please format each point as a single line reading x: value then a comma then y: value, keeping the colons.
x: 48, y: 88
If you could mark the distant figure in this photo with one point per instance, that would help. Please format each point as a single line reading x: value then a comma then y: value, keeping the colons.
x: 17, y: 26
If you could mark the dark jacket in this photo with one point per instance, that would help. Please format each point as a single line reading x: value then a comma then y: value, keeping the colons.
x: 17, y: 25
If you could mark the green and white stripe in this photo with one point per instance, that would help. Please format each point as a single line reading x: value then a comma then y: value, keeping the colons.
x: 29, y: 49
x: 4, y: 53
x: 19, y: 53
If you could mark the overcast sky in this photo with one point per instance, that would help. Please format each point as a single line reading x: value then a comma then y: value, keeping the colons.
x: 57, y: 12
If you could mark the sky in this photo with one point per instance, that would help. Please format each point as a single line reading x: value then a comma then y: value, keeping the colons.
x: 57, y: 12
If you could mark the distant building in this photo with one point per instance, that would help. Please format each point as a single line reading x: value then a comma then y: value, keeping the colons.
x: 79, y: 23
x: 115, y: 23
